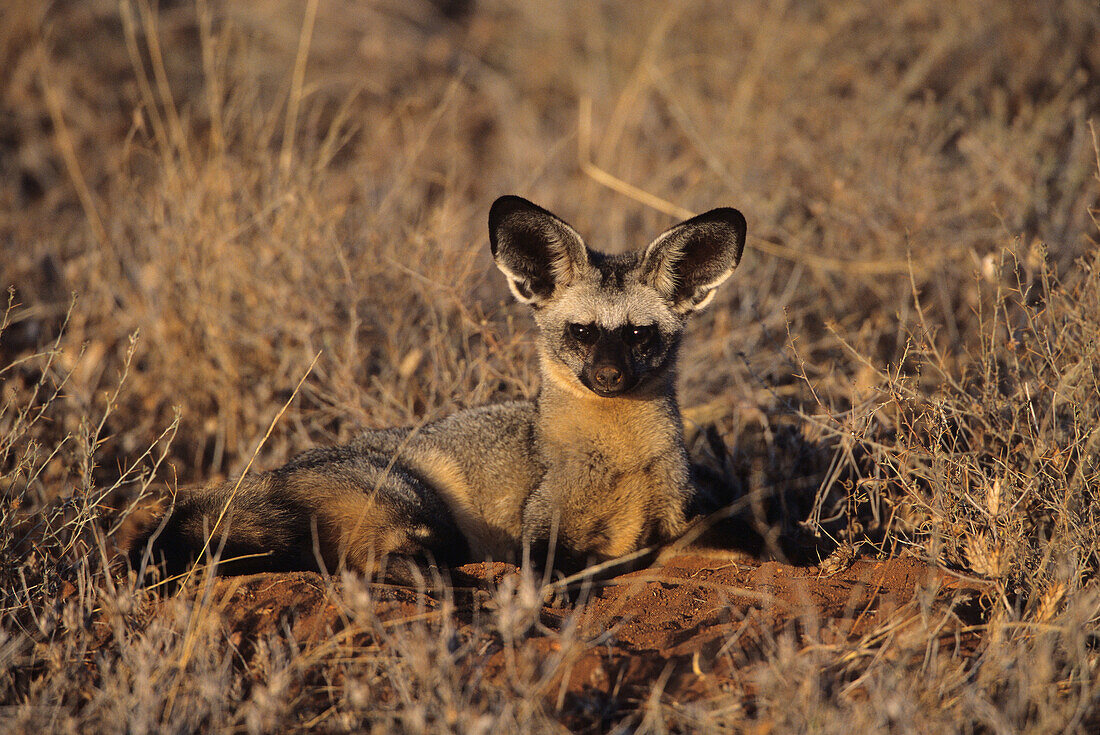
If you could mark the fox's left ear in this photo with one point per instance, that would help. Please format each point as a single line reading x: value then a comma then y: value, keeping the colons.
x: 689, y: 261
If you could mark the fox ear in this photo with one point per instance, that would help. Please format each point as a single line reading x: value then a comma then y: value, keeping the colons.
x: 535, y: 250
x: 689, y: 261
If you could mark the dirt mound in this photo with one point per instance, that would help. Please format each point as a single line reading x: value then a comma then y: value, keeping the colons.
x: 685, y: 629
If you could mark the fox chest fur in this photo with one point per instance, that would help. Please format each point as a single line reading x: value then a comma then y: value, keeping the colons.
x: 615, y: 474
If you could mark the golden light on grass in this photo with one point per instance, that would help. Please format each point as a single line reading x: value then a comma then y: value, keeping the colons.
x: 904, y: 373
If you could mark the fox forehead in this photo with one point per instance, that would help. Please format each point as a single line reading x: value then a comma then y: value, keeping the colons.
x: 613, y: 307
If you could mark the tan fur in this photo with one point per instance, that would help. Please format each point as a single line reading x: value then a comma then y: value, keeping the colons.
x: 616, y: 472
x: 355, y: 530
x: 490, y: 530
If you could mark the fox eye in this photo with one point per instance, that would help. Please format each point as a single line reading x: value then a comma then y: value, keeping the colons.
x: 640, y: 336
x: 583, y: 333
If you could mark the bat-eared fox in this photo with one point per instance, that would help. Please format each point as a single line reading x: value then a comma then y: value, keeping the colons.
x: 595, y: 467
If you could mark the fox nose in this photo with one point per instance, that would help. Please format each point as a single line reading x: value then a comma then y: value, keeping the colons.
x: 609, y: 377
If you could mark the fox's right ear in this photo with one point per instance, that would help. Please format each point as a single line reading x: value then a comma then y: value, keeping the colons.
x: 535, y: 250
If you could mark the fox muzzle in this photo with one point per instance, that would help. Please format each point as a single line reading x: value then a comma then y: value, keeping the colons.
x: 607, y: 371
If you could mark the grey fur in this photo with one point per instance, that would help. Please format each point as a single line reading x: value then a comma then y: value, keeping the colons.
x: 599, y: 456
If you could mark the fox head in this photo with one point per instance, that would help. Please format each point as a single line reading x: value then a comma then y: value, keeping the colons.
x: 613, y: 322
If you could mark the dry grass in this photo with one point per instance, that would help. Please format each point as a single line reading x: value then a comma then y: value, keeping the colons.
x: 198, y: 198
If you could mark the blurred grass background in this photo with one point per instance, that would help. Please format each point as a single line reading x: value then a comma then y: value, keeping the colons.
x: 907, y: 354
x: 244, y: 193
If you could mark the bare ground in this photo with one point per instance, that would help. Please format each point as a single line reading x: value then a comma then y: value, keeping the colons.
x: 686, y: 630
